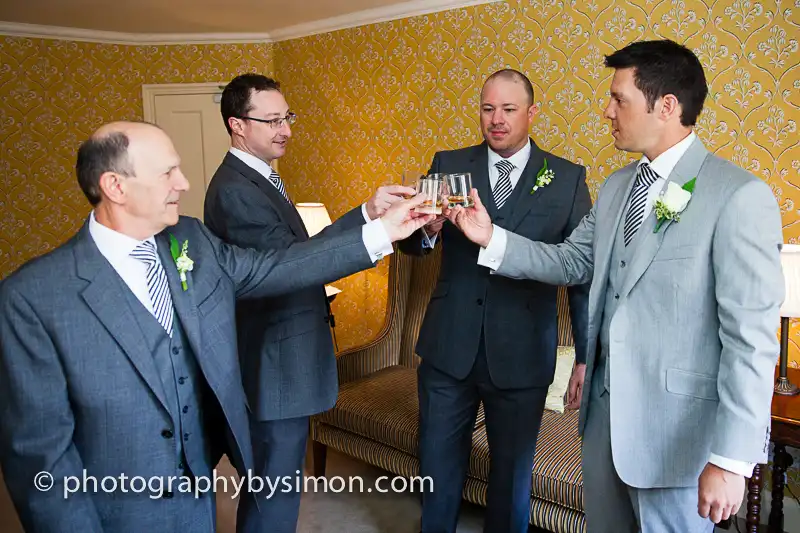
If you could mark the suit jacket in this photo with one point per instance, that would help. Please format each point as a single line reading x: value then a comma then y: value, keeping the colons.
x: 518, y: 318
x: 79, y: 390
x: 285, y: 348
x: 693, y: 341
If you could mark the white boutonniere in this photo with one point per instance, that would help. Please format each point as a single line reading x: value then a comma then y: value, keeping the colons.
x: 670, y: 203
x: 543, y: 177
x: 181, y: 258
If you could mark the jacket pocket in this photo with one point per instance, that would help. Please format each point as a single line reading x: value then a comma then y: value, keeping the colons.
x: 212, y: 300
x: 673, y: 253
x: 441, y: 289
x: 692, y: 384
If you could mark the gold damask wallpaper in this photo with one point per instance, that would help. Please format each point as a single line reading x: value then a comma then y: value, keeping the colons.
x: 53, y: 94
x: 377, y: 99
x: 380, y: 98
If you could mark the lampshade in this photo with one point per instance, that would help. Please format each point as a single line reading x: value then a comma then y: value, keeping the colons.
x: 790, y: 263
x: 315, y: 217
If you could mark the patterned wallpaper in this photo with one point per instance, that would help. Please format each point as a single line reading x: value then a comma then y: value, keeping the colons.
x: 53, y: 94
x: 377, y: 99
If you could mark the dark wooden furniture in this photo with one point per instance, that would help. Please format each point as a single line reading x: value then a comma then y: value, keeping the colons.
x: 785, y: 432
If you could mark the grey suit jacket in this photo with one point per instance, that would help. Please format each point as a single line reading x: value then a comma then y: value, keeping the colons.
x: 693, y: 342
x: 285, y: 348
x: 78, y: 390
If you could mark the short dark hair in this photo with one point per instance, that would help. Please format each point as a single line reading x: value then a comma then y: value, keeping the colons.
x: 236, y: 95
x: 98, y: 155
x: 517, y: 76
x: 665, y: 67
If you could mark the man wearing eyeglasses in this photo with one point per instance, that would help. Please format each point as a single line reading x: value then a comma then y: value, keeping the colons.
x: 285, y: 348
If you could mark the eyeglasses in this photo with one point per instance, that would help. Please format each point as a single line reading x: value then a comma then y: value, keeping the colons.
x: 274, y: 123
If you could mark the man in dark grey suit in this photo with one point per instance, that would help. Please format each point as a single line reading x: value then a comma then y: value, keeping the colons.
x: 118, y: 352
x: 487, y: 338
x: 285, y: 348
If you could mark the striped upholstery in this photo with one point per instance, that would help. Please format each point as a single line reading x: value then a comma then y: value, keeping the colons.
x: 376, y: 416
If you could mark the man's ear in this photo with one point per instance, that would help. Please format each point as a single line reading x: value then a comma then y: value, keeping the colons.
x: 670, y: 106
x: 112, y: 186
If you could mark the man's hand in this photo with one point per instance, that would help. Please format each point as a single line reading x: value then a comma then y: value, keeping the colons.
x: 575, y: 387
x: 720, y: 493
x: 474, y: 221
x: 400, y: 220
x: 385, y: 197
x: 435, y: 226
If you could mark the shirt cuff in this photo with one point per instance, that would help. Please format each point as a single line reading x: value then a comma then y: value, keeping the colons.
x: 493, y: 254
x: 376, y: 240
x: 732, y: 465
x: 364, y: 212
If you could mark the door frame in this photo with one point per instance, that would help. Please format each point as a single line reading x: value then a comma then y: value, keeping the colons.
x: 151, y: 90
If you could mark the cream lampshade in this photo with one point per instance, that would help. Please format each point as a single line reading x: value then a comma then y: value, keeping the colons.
x: 790, y: 264
x: 315, y: 217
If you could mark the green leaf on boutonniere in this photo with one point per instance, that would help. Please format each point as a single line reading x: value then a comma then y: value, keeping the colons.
x: 689, y: 185
x: 174, y: 247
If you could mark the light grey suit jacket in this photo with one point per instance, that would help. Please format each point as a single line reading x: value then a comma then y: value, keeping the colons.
x: 79, y: 388
x: 693, y: 342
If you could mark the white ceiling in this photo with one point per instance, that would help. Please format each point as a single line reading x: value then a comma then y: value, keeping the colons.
x: 211, y: 16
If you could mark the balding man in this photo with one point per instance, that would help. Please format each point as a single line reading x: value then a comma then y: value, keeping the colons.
x: 118, y: 361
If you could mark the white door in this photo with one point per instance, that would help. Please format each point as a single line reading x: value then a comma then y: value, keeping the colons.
x: 194, y: 123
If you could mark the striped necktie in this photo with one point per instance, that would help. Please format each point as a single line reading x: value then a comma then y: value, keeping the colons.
x: 645, y: 177
x: 276, y: 180
x: 502, y: 189
x: 157, y: 285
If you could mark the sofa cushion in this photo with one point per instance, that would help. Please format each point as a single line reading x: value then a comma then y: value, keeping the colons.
x: 556, y: 475
x: 384, y: 407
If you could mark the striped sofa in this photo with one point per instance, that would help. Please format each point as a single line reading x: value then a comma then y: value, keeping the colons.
x: 376, y: 416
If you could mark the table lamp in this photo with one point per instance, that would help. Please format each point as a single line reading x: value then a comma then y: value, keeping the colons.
x: 315, y: 219
x: 790, y: 264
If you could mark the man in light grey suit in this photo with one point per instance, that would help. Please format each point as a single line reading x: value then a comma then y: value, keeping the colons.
x: 683, y: 310
x: 118, y: 360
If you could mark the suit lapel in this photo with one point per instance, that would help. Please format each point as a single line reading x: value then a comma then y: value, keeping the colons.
x: 288, y: 211
x: 479, y: 169
x: 183, y: 301
x: 525, y: 200
x: 105, y: 297
x: 687, y: 167
x: 606, y: 236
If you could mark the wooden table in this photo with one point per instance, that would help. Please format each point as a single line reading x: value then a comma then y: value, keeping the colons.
x: 785, y: 432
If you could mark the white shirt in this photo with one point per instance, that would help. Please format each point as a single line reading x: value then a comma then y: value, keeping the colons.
x: 519, y: 160
x: 373, y: 233
x: 116, y: 248
x: 492, y: 256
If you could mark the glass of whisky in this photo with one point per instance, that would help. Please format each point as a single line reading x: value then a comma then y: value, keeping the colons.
x: 459, y: 189
x: 411, y: 179
x: 432, y: 187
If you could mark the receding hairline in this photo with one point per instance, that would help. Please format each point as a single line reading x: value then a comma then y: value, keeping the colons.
x: 514, y: 76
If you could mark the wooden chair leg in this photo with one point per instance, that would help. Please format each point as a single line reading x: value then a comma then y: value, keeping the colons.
x: 320, y: 452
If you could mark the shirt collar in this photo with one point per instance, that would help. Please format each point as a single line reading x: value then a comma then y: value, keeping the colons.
x: 664, y: 163
x: 253, y: 162
x: 114, y: 246
x: 519, y: 159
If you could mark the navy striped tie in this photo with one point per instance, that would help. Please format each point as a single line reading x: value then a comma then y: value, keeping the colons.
x: 276, y: 180
x: 645, y: 177
x: 502, y: 189
x: 157, y: 285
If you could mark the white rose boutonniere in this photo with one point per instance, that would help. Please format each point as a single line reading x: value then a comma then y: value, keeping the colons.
x: 181, y: 258
x: 671, y: 203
